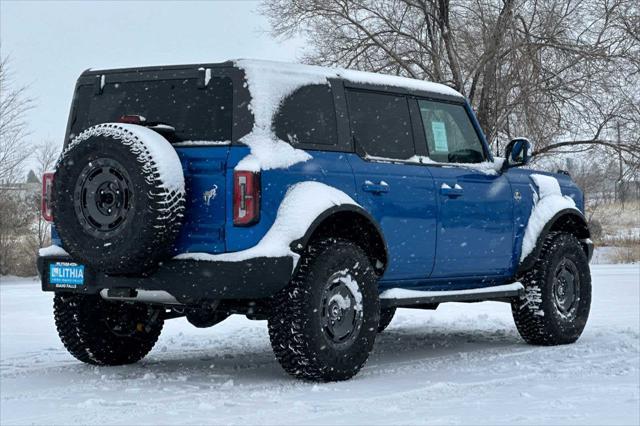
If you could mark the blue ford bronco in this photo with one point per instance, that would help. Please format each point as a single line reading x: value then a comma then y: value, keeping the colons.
x: 317, y: 199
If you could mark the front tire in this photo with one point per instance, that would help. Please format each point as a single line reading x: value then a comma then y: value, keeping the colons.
x: 557, y: 300
x: 100, y: 332
x: 324, y: 322
x: 386, y: 316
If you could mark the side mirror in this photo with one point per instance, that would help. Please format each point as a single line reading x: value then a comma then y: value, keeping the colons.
x: 517, y: 153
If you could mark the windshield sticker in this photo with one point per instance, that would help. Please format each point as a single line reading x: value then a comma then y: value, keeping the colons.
x: 439, y: 136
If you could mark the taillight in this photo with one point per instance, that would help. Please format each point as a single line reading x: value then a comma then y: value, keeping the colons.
x: 132, y: 119
x: 47, y: 186
x: 246, y: 198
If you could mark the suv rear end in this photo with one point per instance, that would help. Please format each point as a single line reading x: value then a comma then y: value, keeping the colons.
x: 202, y: 110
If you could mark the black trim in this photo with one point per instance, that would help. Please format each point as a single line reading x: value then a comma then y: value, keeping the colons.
x: 582, y: 234
x: 345, y: 141
x: 401, y: 91
x: 299, y: 245
x: 189, y: 281
x: 498, y: 296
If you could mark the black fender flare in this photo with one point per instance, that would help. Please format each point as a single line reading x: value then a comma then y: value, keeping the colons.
x: 356, y: 218
x: 567, y: 220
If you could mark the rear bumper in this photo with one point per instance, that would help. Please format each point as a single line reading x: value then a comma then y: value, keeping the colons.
x: 189, y: 281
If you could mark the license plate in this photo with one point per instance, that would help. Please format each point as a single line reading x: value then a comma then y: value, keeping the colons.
x: 66, y: 274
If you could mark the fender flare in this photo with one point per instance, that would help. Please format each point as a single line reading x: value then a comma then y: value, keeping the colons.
x: 299, y: 245
x: 568, y: 220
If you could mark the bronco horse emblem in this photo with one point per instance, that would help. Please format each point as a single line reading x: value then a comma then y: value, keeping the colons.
x: 210, y: 194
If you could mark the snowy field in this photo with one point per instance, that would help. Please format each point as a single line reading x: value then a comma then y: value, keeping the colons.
x: 461, y: 364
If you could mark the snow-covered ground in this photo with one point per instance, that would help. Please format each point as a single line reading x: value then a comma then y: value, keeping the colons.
x: 460, y: 364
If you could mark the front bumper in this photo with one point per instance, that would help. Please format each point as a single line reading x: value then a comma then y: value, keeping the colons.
x: 188, y: 281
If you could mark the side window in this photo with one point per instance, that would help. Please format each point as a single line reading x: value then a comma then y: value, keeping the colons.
x: 307, y: 116
x: 451, y: 137
x: 380, y: 124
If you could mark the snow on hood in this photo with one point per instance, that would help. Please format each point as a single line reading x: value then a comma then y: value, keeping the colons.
x: 302, y: 204
x: 270, y: 82
x: 547, y: 202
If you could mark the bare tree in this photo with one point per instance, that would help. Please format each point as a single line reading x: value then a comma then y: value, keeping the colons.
x: 561, y: 71
x: 14, y: 103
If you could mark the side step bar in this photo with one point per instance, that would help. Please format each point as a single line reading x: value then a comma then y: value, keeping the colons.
x: 399, y: 297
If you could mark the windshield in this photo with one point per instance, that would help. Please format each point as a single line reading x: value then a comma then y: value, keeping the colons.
x: 197, y: 114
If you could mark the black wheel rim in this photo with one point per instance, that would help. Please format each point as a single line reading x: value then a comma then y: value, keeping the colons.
x: 124, y: 320
x: 566, y: 288
x: 341, y: 312
x: 103, y: 197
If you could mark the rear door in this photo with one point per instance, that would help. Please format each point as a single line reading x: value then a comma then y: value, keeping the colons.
x: 399, y: 194
x: 475, y: 203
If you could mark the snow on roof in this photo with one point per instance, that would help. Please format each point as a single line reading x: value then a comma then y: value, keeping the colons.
x: 318, y: 75
x: 270, y: 82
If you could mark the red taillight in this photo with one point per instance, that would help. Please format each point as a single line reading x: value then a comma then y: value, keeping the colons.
x: 246, y: 198
x: 132, y: 119
x: 47, y: 186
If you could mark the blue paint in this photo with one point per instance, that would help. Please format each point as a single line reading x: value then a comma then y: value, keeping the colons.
x: 445, y: 227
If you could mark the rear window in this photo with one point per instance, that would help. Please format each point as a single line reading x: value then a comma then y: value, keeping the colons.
x: 198, y: 114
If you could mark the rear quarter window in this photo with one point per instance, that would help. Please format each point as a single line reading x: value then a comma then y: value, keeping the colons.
x: 307, y: 117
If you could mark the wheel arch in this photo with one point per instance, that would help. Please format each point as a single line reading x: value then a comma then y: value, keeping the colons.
x: 571, y: 221
x: 351, y: 222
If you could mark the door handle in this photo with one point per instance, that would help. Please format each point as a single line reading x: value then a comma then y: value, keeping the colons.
x: 376, y: 188
x: 456, y: 191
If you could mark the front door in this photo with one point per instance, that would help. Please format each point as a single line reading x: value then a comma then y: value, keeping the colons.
x: 475, y: 201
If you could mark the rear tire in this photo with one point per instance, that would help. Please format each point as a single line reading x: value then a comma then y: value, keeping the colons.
x: 323, y: 324
x: 101, y: 332
x: 557, y: 300
x: 386, y: 316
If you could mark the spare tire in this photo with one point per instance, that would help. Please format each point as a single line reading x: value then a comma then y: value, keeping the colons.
x: 118, y: 198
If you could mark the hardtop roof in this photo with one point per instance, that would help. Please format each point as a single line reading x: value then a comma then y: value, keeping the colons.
x: 315, y: 74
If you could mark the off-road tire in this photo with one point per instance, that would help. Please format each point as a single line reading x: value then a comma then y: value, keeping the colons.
x: 538, y: 316
x: 143, y: 232
x: 299, y: 339
x: 386, y: 316
x: 88, y: 328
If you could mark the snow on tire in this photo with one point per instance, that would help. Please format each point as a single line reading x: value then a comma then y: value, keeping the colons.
x: 555, y: 307
x: 118, y: 198
x: 324, y: 323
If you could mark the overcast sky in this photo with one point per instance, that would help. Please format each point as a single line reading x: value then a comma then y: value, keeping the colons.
x: 51, y: 42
